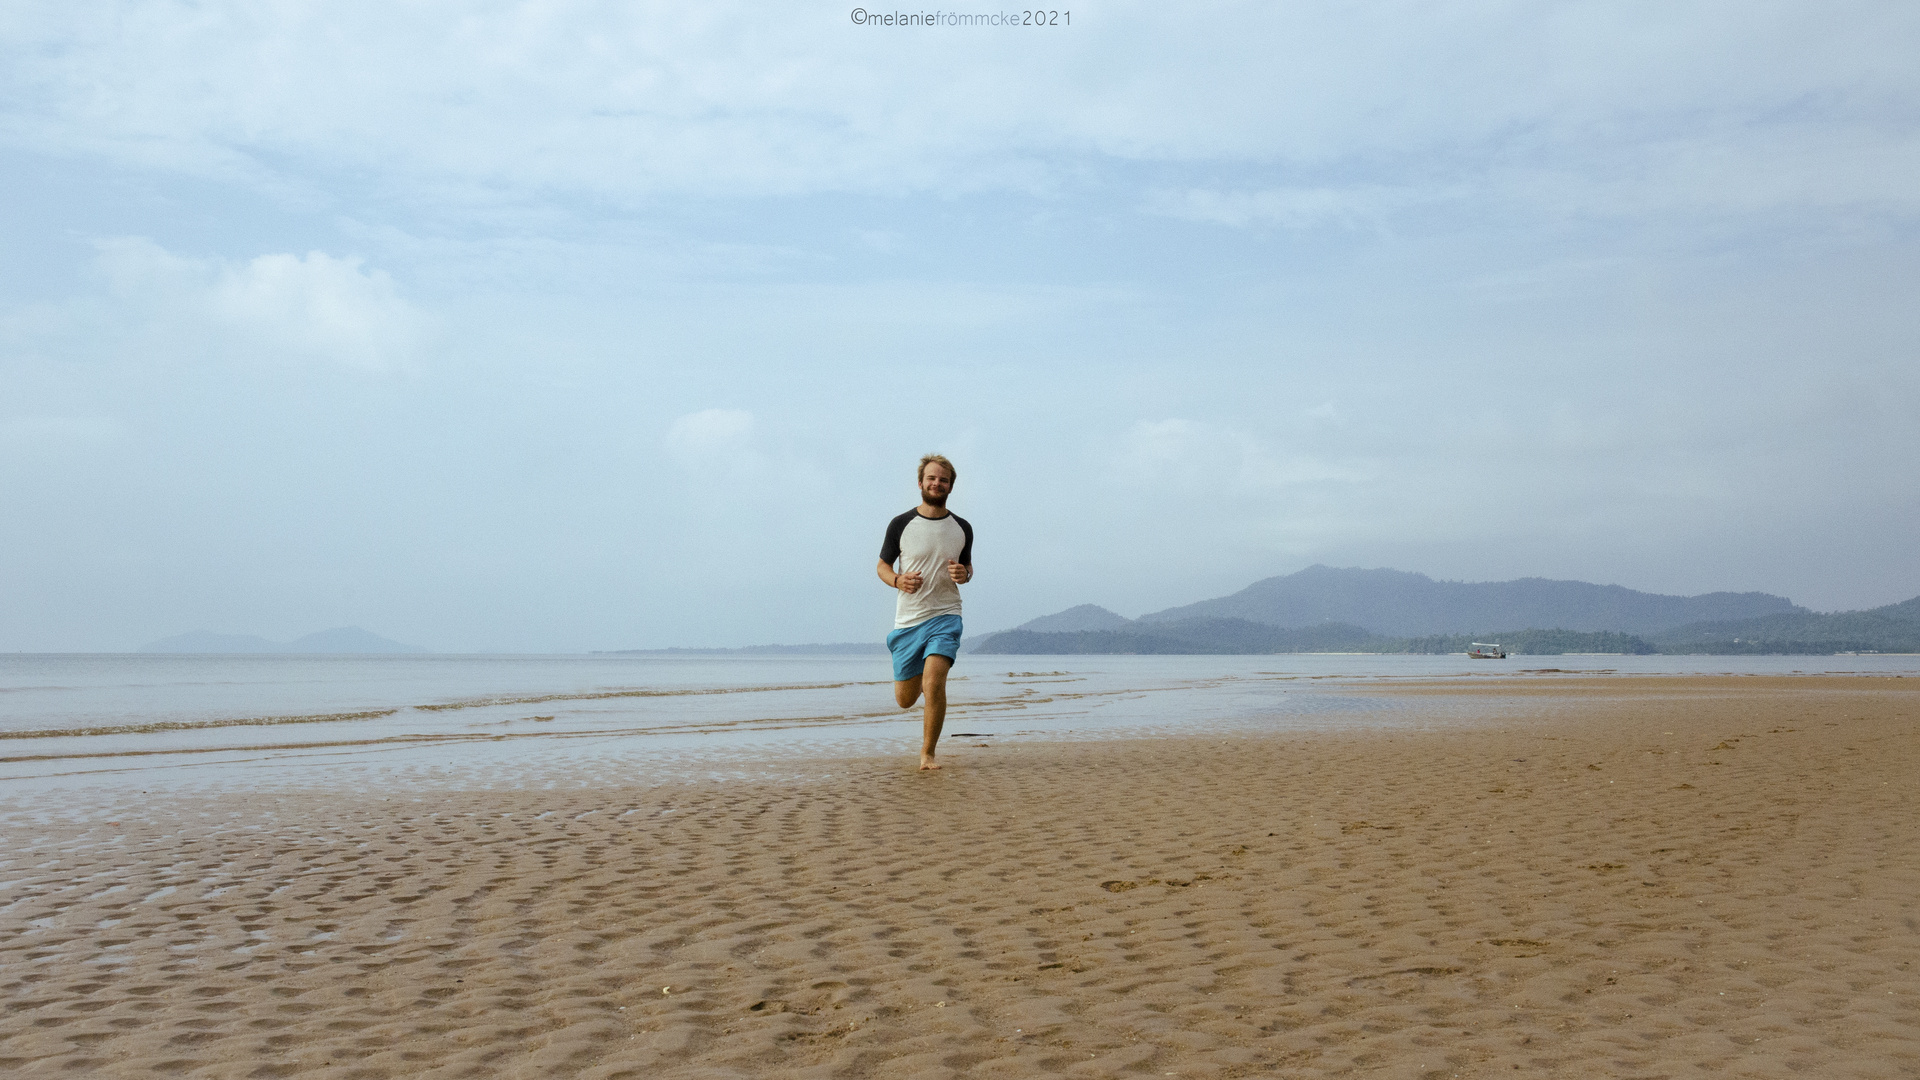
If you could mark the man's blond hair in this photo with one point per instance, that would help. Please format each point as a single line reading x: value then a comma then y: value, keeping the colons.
x: 936, y: 459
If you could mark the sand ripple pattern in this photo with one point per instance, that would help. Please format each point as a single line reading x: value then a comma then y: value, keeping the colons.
x: 1639, y: 885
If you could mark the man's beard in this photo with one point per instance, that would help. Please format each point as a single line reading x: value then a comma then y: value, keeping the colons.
x: 938, y: 502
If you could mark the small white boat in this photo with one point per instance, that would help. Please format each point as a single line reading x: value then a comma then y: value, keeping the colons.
x: 1483, y: 651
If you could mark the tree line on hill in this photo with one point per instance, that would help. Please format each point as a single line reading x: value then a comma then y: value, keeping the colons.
x: 1240, y: 636
x: 1229, y: 636
x: 1323, y: 609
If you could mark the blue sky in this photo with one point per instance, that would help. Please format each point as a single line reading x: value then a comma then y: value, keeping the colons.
x: 554, y: 326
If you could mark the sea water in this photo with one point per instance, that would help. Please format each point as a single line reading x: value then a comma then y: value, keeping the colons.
x: 223, y: 723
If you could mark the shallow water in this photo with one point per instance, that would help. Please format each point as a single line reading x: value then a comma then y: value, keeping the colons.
x: 229, y: 722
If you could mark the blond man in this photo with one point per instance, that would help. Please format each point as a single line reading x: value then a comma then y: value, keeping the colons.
x: 926, y: 557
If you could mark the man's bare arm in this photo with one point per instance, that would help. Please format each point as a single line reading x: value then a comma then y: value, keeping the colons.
x: 904, y: 582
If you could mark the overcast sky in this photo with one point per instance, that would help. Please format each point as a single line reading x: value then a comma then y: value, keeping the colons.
x: 560, y: 326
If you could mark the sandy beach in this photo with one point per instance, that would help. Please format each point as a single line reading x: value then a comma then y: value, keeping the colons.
x: 1597, y: 877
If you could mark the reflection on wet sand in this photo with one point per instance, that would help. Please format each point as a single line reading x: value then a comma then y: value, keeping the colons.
x: 194, y: 725
x: 583, y: 726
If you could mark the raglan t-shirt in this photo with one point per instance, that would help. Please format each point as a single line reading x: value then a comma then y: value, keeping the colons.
x: 922, y: 545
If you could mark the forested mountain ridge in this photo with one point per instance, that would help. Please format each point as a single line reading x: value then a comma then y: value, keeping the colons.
x: 1240, y: 637
x: 1391, y: 611
x: 1402, y: 604
x: 1893, y: 628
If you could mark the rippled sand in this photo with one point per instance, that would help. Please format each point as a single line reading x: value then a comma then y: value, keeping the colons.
x: 1611, y: 877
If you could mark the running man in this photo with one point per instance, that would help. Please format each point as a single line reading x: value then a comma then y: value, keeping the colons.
x: 933, y: 550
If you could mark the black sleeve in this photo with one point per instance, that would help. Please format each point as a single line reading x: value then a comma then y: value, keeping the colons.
x: 966, y: 553
x: 890, y: 547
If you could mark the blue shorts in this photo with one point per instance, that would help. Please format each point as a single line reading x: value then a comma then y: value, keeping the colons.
x: 911, y: 645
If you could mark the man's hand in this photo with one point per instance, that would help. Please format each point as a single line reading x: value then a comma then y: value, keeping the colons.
x: 907, y: 583
x: 959, y: 573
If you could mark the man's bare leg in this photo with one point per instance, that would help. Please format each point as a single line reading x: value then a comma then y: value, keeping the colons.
x: 907, y: 691
x: 933, y: 690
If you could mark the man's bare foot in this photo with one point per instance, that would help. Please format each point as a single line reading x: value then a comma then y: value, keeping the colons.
x: 927, y: 762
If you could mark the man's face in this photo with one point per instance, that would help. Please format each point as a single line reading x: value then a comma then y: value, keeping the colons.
x: 934, y: 484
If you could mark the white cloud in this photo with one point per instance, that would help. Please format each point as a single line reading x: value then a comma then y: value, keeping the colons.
x: 314, y: 306
x: 59, y: 430
x: 713, y: 439
x: 1750, y: 169
x: 628, y: 101
x: 1737, y: 169
x: 1205, y: 459
x: 1292, y: 208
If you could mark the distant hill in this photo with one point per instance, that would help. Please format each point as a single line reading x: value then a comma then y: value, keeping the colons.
x: 348, y: 639
x: 1893, y: 628
x: 1238, y: 636
x: 1400, y: 604
x: 1324, y: 609
x: 1184, y: 637
x: 1084, y: 617
x: 341, y: 639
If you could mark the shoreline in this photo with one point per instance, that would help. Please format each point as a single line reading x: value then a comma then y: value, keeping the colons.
x: 481, y: 730
x: 1667, y: 876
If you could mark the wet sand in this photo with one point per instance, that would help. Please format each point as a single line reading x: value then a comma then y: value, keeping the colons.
x: 1660, y: 877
